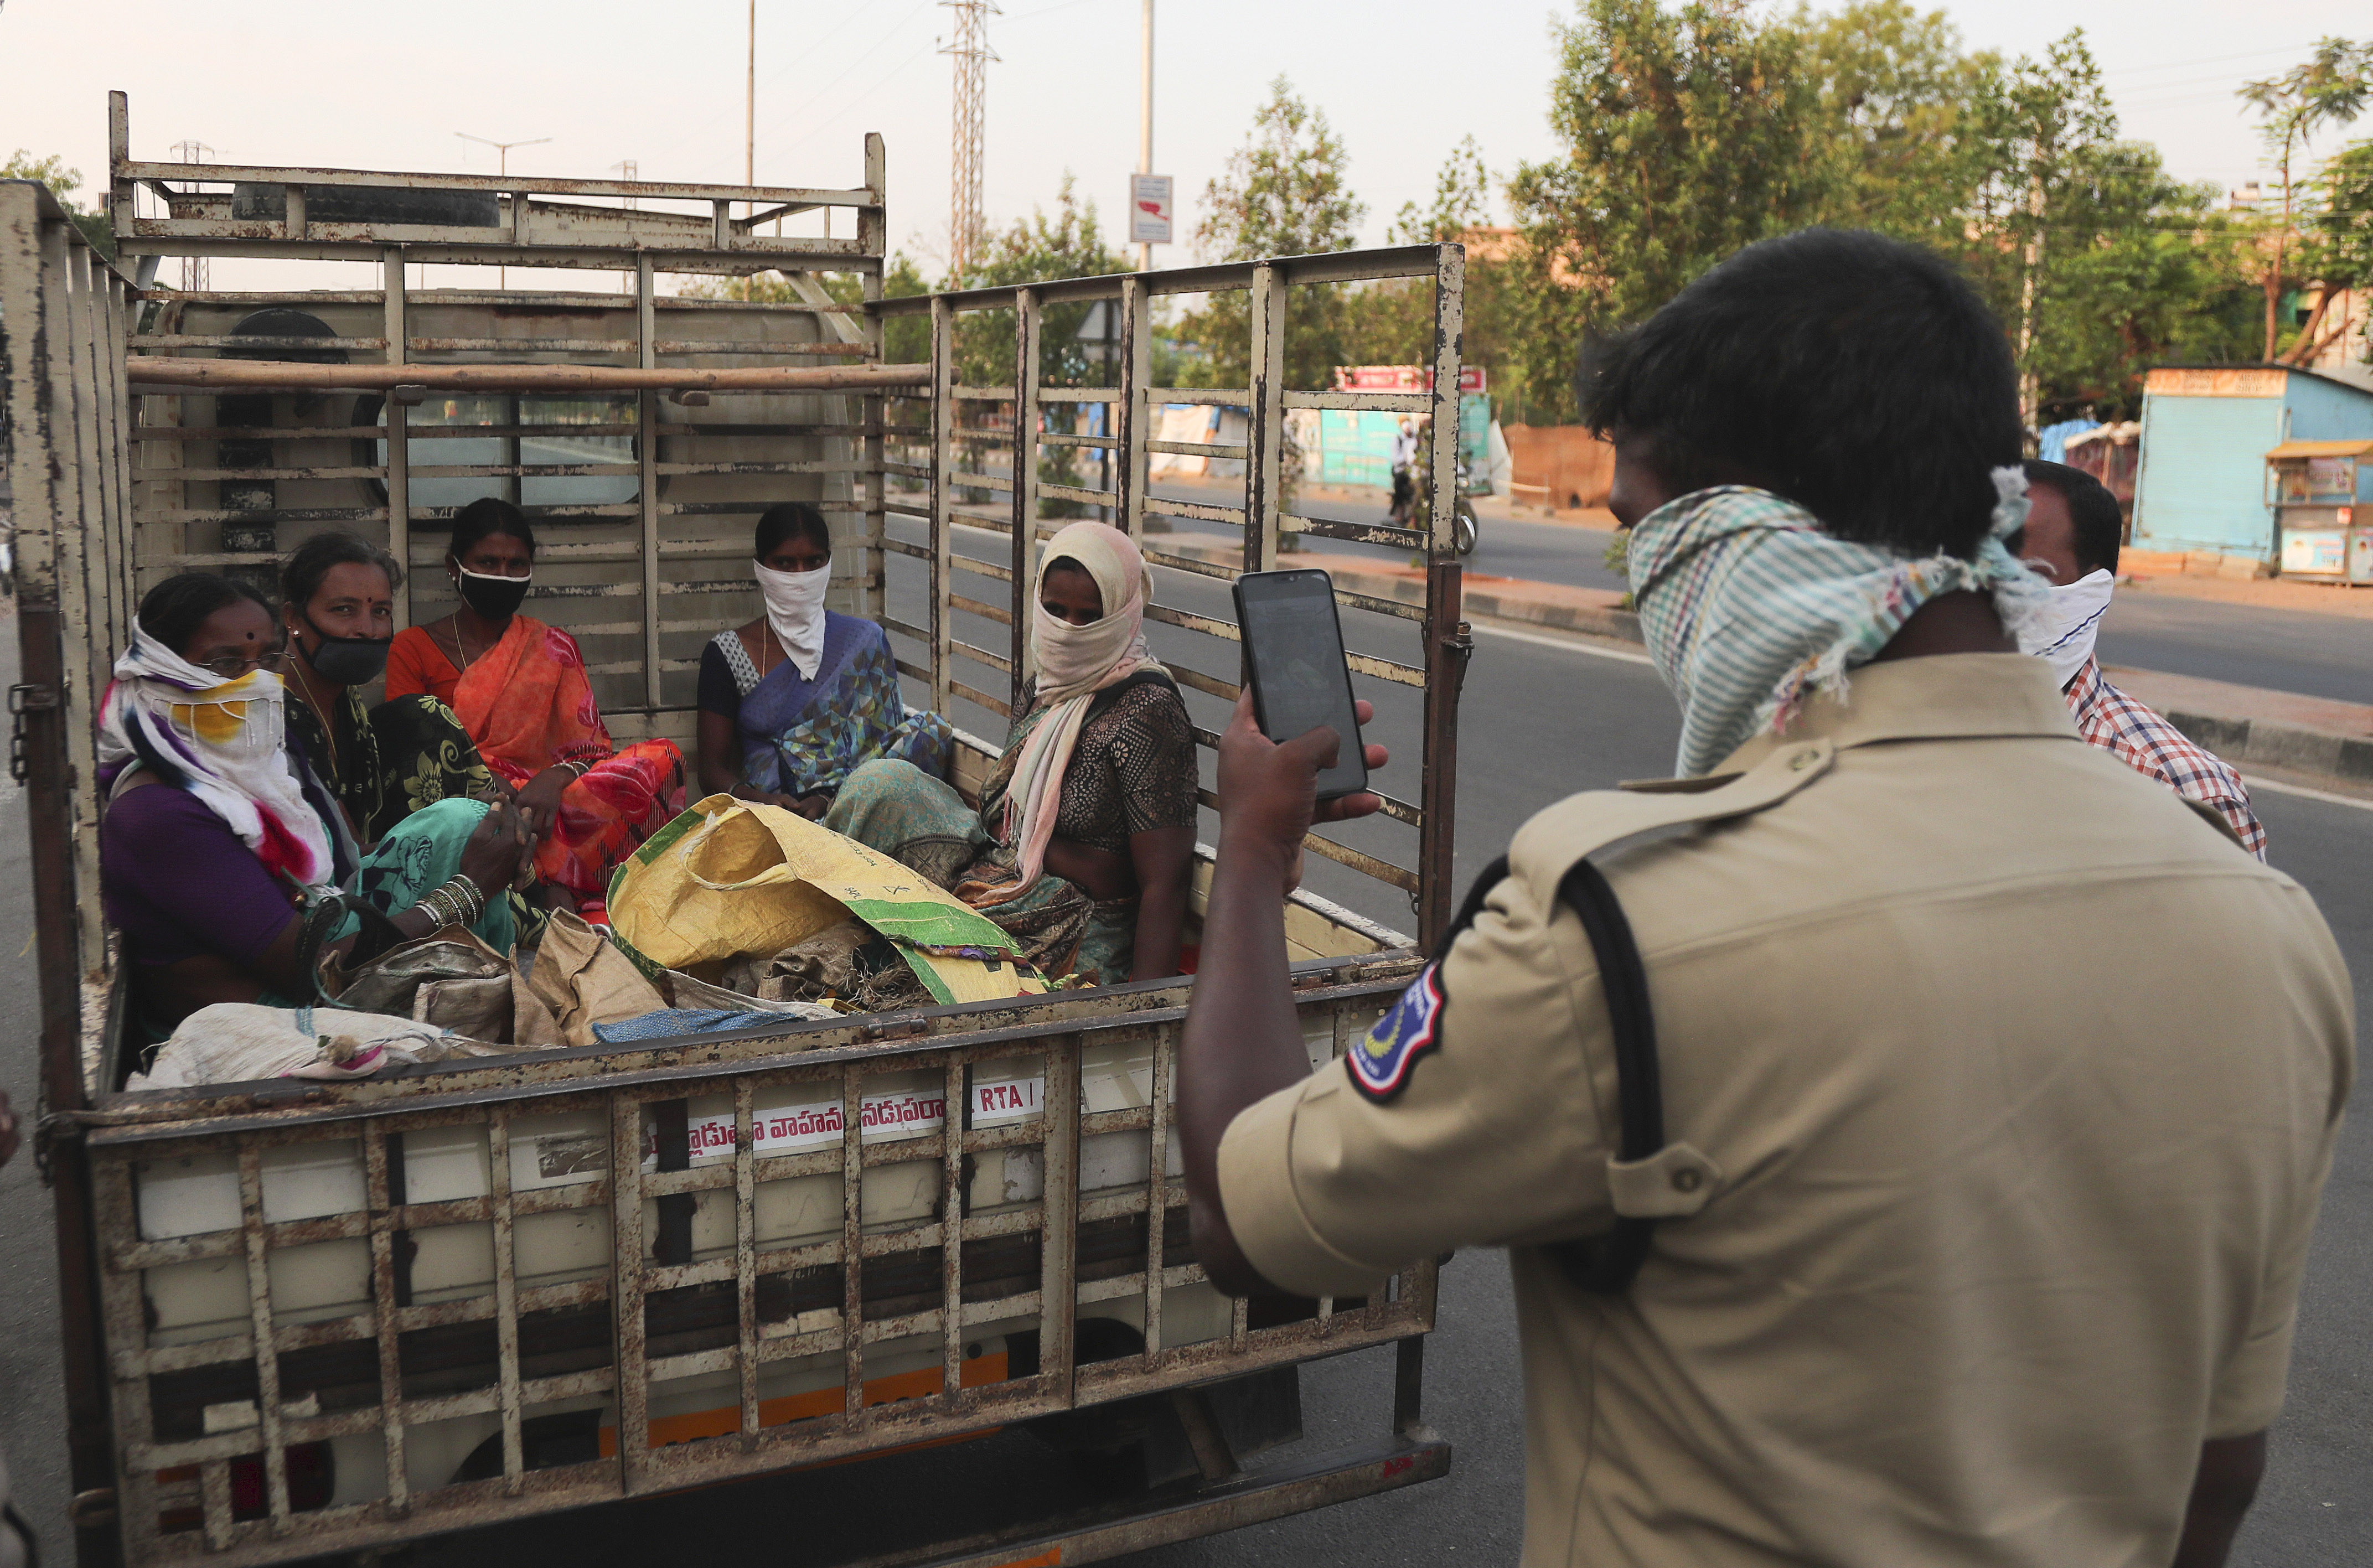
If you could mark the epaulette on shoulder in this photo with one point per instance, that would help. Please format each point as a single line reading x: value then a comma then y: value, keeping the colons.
x: 1545, y: 848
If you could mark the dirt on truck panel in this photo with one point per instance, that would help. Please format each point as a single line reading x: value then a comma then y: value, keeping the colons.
x: 305, y: 1317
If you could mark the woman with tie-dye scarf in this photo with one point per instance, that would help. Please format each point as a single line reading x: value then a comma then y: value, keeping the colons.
x: 215, y: 836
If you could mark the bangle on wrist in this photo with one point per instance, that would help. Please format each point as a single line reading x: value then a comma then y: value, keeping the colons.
x: 458, y: 903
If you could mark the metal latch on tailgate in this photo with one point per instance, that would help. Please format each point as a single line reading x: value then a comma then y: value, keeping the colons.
x: 26, y: 697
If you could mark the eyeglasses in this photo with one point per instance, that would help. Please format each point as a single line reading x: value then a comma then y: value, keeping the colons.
x: 231, y: 667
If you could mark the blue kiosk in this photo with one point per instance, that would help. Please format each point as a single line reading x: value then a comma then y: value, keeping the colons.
x: 2207, y: 430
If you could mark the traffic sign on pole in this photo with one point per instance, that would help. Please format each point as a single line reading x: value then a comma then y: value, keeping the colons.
x: 1150, y: 208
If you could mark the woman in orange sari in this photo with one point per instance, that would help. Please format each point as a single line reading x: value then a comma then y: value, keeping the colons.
x: 521, y: 689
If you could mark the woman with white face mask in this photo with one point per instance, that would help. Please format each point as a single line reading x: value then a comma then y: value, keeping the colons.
x: 793, y: 701
x: 1084, y: 839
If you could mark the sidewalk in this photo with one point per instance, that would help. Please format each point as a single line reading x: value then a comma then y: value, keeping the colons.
x: 2309, y: 739
x: 2206, y: 577
x: 2304, y: 736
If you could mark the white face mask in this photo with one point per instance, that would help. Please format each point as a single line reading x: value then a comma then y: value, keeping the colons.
x: 795, y: 609
x: 2063, y: 633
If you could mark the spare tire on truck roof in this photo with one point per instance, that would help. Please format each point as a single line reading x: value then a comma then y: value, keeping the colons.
x: 252, y: 202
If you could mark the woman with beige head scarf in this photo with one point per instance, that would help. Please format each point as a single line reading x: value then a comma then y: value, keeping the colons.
x: 1085, y: 835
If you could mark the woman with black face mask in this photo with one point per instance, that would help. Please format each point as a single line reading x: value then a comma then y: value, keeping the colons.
x: 521, y: 690
x: 382, y: 763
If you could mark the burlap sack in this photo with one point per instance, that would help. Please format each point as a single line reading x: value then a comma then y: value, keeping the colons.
x: 584, y: 981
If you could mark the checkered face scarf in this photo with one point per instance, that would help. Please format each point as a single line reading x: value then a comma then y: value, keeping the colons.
x: 1748, y: 607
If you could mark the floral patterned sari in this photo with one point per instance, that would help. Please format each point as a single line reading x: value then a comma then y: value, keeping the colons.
x: 803, y: 737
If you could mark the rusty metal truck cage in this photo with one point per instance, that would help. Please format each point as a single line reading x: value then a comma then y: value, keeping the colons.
x: 666, y: 1360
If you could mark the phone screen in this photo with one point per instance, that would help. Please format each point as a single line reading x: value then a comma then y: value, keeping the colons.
x: 1294, y: 652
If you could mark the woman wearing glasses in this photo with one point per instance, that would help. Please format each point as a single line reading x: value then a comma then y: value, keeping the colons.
x: 213, y: 836
x: 522, y: 689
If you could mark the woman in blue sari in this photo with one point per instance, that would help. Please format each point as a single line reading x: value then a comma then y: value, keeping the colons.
x: 794, y: 701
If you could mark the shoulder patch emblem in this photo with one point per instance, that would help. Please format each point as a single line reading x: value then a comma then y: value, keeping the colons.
x: 1380, y: 1059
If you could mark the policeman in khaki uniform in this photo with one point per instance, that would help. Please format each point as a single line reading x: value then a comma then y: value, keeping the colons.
x: 1999, y: 1085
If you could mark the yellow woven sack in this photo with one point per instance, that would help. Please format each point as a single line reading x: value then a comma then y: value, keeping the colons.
x: 729, y: 878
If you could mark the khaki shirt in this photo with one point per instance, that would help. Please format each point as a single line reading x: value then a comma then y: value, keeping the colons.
x: 1999, y: 1088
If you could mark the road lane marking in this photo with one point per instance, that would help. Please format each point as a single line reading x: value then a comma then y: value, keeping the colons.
x: 1569, y: 645
x: 2260, y: 781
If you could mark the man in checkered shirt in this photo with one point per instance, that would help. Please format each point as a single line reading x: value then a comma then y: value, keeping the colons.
x: 2071, y: 532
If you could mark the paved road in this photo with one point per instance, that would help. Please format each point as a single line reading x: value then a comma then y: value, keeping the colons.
x: 2325, y: 656
x: 1541, y: 718
x: 2284, y: 651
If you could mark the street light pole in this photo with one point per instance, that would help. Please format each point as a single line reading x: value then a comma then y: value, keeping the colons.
x: 503, y: 153
x: 1145, y: 125
x: 750, y: 123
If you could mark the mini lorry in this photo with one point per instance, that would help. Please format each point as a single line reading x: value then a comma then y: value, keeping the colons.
x: 305, y: 1318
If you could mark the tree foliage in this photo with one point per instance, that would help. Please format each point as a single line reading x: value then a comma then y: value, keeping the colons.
x: 1284, y: 193
x: 2329, y: 87
x: 1693, y: 130
x: 1038, y: 248
x: 1689, y: 134
x: 1391, y: 323
x: 96, y: 225
x: 1898, y: 110
x: 2336, y: 248
x: 2095, y: 259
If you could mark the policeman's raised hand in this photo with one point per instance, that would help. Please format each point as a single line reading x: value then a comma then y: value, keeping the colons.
x: 498, y: 844
x: 1269, y: 789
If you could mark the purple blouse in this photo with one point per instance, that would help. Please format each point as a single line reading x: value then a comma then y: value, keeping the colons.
x: 176, y: 882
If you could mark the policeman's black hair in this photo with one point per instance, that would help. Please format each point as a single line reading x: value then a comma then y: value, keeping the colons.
x: 2099, y: 520
x: 791, y: 520
x: 173, y: 610
x: 1859, y: 377
x: 485, y: 517
x: 301, y: 573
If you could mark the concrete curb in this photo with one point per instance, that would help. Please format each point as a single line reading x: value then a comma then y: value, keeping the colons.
x: 2248, y: 742
x: 2247, y: 726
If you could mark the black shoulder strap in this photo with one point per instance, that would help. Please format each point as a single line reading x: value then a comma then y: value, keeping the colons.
x: 1604, y: 1264
x: 1607, y: 1264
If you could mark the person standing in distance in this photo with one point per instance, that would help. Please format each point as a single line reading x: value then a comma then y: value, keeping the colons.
x: 1953, y: 1256
x: 2071, y: 541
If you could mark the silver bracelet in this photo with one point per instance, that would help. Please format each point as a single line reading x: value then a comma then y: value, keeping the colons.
x: 461, y: 900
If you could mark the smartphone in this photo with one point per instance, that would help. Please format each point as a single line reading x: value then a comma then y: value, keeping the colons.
x: 1294, y: 661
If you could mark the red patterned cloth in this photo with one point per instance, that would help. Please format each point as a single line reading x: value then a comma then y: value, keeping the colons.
x: 2137, y: 736
x: 527, y: 703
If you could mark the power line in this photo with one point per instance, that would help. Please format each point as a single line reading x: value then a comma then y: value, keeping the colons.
x: 825, y: 91
x: 2207, y: 60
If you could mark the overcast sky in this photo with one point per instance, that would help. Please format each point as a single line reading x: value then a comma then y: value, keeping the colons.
x: 387, y: 85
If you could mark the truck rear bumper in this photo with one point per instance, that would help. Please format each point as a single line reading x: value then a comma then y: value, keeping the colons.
x: 1338, y: 1476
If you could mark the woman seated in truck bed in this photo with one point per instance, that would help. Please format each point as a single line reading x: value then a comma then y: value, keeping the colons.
x: 521, y: 690
x: 793, y: 701
x: 1084, y: 840
x: 380, y: 763
x: 212, y: 834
